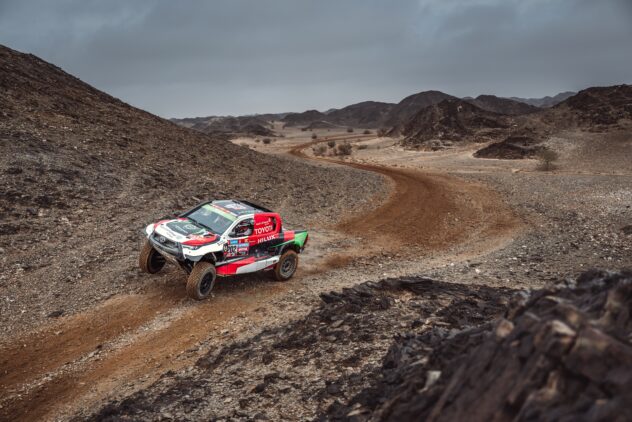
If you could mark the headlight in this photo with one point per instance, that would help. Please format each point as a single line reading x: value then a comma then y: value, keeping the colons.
x: 191, y: 248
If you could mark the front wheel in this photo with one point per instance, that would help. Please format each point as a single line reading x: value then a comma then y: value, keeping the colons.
x: 287, y: 265
x: 201, y: 280
x: 150, y: 260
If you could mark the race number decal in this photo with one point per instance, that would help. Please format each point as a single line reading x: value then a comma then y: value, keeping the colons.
x: 235, y: 248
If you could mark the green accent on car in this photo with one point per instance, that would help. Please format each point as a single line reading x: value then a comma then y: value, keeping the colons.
x: 299, y: 239
x: 223, y: 213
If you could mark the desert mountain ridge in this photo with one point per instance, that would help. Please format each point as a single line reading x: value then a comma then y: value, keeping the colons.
x: 365, y: 114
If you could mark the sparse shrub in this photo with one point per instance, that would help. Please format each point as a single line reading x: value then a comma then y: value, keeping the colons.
x: 257, y: 140
x: 349, y: 130
x: 319, y: 150
x: 331, y: 144
x: 382, y: 132
x: 547, y: 159
x: 363, y: 146
x: 267, y: 141
x: 367, y: 132
x: 344, y: 149
x: 314, y: 136
x: 303, y: 129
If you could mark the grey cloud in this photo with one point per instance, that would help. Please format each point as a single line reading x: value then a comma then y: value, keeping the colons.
x: 191, y: 58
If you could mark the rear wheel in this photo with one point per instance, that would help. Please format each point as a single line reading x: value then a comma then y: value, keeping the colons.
x: 287, y: 265
x: 201, y: 280
x: 150, y: 260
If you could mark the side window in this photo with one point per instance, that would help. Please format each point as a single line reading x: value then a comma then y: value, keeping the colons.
x: 243, y: 228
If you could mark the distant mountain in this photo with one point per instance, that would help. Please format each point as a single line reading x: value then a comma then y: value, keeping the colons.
x: 502, y: 105
x: 411, y: 105
x: 228, y: 127
x: 547, y: 101
x: 369, y: 114
x: 453, y: 120
x: 599, y: 105
x: 304, y: 118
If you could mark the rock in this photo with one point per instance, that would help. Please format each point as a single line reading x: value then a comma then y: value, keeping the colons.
x: 56, y: 314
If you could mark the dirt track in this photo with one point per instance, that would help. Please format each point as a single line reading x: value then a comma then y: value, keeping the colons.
x: 132, y: 339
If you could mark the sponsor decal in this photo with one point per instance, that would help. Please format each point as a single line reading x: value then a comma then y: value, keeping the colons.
x: 235, y: 206
x: 234, y: 248
x: 264, y: 229
x: 266, y: 238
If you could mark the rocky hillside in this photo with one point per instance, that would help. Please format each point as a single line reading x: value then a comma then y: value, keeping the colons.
x: 599, y: 105
x: 411, y: 105
x: 559, y: 353
x: 228, y: 127
x: 547, y: 101
x: 451, y: 121
x: 418, y: 349
x: 502, y: 105
x: 304, y: 118
x: 83, y: 172
x: 368, y: 114
x: 514, y: 147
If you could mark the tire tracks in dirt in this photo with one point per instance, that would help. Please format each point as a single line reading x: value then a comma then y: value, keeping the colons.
x: 50, y: 372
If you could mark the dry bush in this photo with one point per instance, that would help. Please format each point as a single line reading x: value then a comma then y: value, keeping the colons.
x: 319, y: 150
x: 303, y: 129
x: 257, y: 140
x: 331, y: 144
x: 547, y: 159
x: 367, y: 132
x: 382, y: 132
x: 344, y: 149
x: 363, y: 146
x: 314, y: 136
x: 267, y: 141
x: 349, y: 130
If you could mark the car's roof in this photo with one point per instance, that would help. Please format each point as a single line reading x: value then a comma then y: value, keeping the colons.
x: 239, y: 207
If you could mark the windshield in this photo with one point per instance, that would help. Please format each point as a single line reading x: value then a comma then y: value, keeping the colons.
x: 212, y: 218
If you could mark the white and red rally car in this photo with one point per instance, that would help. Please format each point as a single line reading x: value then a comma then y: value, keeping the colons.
x: 222, y: 238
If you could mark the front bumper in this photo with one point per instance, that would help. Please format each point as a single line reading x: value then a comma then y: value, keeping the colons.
x: 169, y: 249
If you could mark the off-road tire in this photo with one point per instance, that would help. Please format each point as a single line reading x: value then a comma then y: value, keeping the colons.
x: 286, y: 267
x: 150, y: 260
x: 201, y: 280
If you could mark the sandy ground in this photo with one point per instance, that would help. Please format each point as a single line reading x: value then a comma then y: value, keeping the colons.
x: 493, y: 222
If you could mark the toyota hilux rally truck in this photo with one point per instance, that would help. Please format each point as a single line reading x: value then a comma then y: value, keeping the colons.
x: 222, y: 238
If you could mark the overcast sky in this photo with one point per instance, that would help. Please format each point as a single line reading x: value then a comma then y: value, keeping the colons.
x: 197, y: 58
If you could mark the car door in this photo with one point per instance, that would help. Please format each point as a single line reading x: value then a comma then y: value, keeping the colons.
x: 238, y: 243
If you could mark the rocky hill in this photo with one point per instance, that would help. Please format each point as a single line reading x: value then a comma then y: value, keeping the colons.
x: 83, y: 172
x: 547, y: 101
x: 304, y: 118
x: 367, y: 114
x: 514, y: 147
x: 599, y: 105
x: 450, y: 121
x: 228, y: 127
x: 502, y: 105
x: 411, y: 105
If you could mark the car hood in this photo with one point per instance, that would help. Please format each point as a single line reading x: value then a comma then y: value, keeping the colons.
x: 185, y: 231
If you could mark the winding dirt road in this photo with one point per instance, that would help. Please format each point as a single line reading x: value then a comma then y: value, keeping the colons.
x: 78, y: 360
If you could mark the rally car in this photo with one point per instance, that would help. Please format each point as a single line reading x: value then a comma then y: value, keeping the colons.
x: 222, y: 238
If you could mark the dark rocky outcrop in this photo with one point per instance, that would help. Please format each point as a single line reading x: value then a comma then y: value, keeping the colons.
x: 452, y: 121
x: 512, y: 148
x: 502, y: 105
x: 561, y: 353
x: 600, y: 105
